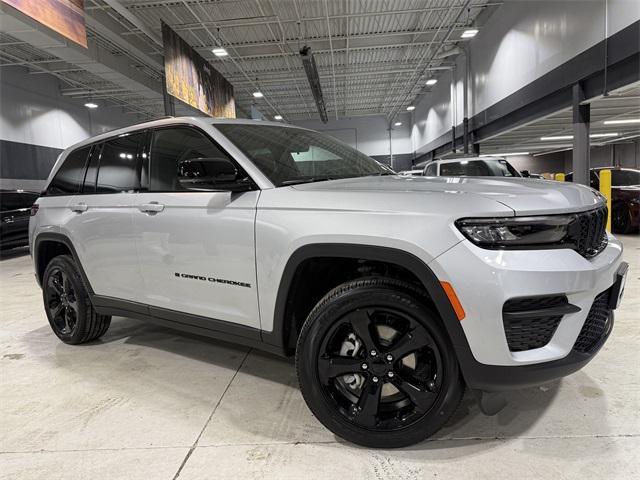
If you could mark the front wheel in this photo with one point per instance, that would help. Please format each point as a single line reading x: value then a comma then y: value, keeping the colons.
x: 375, y: 365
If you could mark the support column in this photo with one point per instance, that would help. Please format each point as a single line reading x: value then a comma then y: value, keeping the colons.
x: 581, y: 144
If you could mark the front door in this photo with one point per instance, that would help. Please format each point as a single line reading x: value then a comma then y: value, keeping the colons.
x: 195, y: 239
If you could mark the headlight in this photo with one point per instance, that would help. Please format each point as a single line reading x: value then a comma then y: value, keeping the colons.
x: 517, y: 232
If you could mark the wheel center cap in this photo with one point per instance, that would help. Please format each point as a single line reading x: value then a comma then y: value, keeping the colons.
x: 378, y: 367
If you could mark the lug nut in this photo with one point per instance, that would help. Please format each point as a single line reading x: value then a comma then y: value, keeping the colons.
x: 373, y: 353
x: 390, y: 374
x: 374, y: 379
x: 389, y: 358
x: 365, y: 366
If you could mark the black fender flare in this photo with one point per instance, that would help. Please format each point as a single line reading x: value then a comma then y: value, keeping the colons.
x: 66, y: 241
x: 278, y: 336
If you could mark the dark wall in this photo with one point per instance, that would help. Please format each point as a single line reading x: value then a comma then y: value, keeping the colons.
x: 25, y: 161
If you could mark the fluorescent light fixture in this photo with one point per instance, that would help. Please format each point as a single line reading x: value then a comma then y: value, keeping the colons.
x: 625, y: 121
x: 91, y: 105
x: 219, y: 52
x: 432, y: 81
x: 258, y: 94
x: 277, y: 117
x: 397, y: 124
x: 472, y: 32
x: 557, y: 137
x: 570, y: 137
x: 411, y: 108
x: 510, y: 154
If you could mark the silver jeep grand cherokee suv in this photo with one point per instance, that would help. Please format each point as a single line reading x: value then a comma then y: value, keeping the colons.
x: 393, y: 293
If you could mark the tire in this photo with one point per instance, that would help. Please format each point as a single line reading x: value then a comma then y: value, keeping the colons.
x: 621, y: 218
x: 66, y: 302
x: 337, y: 370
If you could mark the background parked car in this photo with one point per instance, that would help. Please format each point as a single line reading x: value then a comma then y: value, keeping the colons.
x: 15, y: 206
x: 471, y: 167
x: 625, y: 197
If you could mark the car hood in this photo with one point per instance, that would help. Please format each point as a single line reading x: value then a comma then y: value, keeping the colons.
x: 523, y: 195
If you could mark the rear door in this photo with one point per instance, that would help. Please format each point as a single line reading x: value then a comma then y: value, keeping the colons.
x: 195, y: 238
x: 102, y: 226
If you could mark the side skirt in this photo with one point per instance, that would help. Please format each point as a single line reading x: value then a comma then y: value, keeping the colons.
x: 207, y: 327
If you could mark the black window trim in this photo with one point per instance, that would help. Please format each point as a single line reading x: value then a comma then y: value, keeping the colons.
x: 152, y: 130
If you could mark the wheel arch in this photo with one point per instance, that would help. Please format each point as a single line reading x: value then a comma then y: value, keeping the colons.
x: 281, y: 334
x: 48, y: 245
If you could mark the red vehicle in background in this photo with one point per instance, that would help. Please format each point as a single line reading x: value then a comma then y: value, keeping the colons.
x: 625, y: 197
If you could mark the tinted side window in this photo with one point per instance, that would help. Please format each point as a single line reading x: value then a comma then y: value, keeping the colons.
x: 430, y: 171
x: 69, y: 177
x: 184, y: 159
x: 119, y: 170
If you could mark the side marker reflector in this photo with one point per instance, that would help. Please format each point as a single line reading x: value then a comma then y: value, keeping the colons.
x: 453, y: 299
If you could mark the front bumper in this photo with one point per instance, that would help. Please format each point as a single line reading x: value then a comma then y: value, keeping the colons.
x: 485, y: 279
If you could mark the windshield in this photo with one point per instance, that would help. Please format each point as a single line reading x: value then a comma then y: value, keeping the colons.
x: 625, y: 178
x: 291, y: 155
x: 478, y: 168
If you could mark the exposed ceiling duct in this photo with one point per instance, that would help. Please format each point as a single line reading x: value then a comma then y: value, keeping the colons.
x: 310, y: 68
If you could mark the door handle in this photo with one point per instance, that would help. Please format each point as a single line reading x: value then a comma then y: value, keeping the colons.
x: 7, y: 219
x: 79, y: 207
x: 151, y: 207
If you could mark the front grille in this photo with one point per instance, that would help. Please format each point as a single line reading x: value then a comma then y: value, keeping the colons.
x: 530, y: 322
x: 595, y: 326
x: 588, y: 233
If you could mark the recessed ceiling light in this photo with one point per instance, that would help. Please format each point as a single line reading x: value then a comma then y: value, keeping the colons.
x: 91, y: 105
x: 432, y: 81
x: 277, y: 117
x: 410, y: 108
x: 472, y: 32
x: 219, y: 52
x: 622, y: 121
x: 397, y: 124
x: 258, y: 94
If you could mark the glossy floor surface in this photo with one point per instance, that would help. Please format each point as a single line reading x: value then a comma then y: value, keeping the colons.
x: 147, y: 403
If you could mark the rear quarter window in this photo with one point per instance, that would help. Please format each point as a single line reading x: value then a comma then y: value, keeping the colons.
x: 70, y: 175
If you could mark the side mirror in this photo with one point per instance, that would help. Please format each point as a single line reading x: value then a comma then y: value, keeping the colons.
x: 525, y: 173
x: 206, y: 173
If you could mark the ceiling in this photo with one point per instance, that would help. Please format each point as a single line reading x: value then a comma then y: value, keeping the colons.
x: 620, y: 104
x: 373, y: 56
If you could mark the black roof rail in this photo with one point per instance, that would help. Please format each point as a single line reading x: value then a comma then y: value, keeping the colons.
x: 138, y: 123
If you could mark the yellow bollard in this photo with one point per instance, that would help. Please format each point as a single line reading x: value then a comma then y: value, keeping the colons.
x: 559, y: 177
x: 605, y: 189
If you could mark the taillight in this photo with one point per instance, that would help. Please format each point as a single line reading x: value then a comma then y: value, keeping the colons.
x: 34, y: 209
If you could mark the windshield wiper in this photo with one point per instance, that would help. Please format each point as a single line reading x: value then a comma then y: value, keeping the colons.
x: 309, y: 179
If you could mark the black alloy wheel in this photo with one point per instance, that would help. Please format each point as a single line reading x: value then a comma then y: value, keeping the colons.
x: 67, y: 304
x: 61, y: 301
x: 375, y: 365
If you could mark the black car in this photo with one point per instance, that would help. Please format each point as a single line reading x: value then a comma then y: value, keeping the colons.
x: 15, y: 207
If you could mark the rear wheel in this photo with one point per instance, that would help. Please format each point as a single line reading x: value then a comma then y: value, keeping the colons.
x: 67, y: 304
x: 375, y: 365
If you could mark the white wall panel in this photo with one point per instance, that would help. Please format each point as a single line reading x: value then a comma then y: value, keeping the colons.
x: 33, y: 111
x: 523, y: 40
